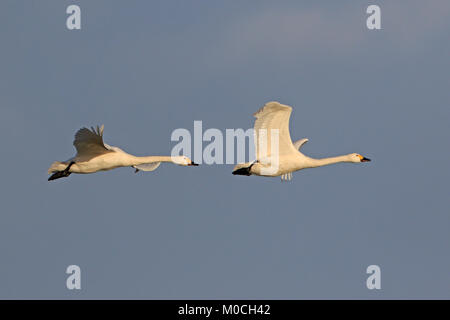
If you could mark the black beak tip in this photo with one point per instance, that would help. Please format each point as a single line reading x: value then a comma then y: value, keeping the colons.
x: 365, y: 159
x: 194, y: 164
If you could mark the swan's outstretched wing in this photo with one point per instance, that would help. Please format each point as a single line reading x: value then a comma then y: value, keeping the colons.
x: 299, y: 143
x: 147, y: 166
x: 273, y: 115
x: 89, y: 143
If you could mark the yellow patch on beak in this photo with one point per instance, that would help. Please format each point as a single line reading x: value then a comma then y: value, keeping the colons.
x: 360, y: 157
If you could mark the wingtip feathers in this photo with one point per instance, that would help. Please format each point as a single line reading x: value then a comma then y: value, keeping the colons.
x: 271, y: 106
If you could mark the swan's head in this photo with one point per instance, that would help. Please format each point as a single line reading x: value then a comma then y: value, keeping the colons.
x: 183, y: 161
x: 356, y: 157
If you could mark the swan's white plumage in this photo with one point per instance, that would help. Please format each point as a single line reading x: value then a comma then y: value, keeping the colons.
x: 275, y: 116
x: 94, y: 155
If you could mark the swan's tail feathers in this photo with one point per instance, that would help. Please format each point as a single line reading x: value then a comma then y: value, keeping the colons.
x: 243, y: 169
x: 57, y: 166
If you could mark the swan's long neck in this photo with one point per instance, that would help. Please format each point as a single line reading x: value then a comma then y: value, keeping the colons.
x: 313, y: 163
x: 150, y: 159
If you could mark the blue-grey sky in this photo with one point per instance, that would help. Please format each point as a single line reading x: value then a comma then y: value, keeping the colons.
x: 145, y: 68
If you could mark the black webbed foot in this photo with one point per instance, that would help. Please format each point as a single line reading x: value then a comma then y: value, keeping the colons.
x: 244, y: 171
x: 61, y: 174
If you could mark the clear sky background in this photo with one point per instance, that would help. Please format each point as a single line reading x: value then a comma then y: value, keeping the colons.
x: 145, y: 68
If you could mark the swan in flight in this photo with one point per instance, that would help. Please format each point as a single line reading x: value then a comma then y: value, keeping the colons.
x: 94, y: 155
x: 277, y: 155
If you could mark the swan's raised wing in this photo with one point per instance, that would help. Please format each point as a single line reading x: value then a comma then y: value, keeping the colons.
x: 147, y: 166
x: 89, y: 143
x: 299, y: 143
x: 273, y: 115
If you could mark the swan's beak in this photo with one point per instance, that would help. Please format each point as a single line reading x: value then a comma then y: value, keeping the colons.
x: 364, y: 159
x: 193, y: 164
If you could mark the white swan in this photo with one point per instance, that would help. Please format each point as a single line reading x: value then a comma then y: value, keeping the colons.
x: 288, y: 159
x: 93, y: 155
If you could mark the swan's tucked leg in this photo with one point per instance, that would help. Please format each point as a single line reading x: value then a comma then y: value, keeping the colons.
x: 61, y: 174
